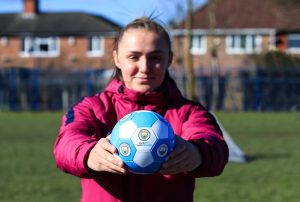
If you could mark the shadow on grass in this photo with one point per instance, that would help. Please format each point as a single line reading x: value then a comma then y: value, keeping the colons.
x: 272, y: 156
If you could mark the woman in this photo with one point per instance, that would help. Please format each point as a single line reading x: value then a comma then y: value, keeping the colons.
x: 141, y: 82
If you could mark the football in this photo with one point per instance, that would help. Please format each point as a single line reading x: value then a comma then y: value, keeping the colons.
x: 143, y: 140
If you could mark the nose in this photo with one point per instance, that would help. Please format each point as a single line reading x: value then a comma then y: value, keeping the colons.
x: 144, y: 65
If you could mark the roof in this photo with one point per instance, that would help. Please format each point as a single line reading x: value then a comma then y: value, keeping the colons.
x: 73, y: 23
x: 253, y: 14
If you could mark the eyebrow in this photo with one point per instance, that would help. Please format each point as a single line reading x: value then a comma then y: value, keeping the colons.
x: 152, y: 52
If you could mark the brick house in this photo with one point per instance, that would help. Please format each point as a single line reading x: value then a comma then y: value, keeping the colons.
x: 55, y: 40
x: 240, y: 32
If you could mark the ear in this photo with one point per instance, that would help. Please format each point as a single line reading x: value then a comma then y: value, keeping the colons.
x: 170, y: 58
x: 116, y: 59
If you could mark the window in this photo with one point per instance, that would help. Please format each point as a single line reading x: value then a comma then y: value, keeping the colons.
x: 198, y: 45
x: 40, y: 46
x: 71, y: 40
x: 4, y: 41
x: 243, y: 44
x: 95, y: 46
x: 294, y: 43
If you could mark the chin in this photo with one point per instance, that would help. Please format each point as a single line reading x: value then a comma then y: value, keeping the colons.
x: 143, y: 89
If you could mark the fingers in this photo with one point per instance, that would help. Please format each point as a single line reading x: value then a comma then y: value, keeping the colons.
x: 106, y: 165
x: 176, y: 162
x: 185, y: 157
x: 104, y: 142
x: 107, y: 161
x: 103, y: 157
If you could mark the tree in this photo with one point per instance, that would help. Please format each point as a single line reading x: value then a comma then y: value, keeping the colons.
x: 213, y: 54
x: 188, y: 62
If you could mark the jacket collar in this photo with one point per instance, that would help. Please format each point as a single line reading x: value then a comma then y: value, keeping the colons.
x: 162, y: 96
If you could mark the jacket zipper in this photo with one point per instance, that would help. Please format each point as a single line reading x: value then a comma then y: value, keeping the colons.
x: 142, y: 102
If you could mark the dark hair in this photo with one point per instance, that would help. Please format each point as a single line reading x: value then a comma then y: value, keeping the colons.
x: 146, y: 23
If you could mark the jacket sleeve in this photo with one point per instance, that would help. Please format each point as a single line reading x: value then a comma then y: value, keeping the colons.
x: 77, y: 136
x: 201, y: 129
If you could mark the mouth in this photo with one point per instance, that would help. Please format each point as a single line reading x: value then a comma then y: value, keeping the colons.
x: 144, y: 79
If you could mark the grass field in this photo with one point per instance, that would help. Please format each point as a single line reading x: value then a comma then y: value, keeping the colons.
x: 272, y: 140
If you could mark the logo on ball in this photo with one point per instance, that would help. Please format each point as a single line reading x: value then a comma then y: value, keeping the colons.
x: 125, y: 149
x: 162, y: 150
x: 144, y: 134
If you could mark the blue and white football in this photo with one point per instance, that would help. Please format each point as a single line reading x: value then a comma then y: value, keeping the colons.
x: 143, y: 140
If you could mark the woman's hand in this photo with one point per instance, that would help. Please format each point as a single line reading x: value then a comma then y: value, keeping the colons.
x: 185, y: 157
x: 103, y: 157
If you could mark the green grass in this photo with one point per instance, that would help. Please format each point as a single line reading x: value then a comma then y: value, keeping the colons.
x: 28, y: 171
x: 272, y: 140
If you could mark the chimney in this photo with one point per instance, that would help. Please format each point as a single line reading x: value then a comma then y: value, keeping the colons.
x: 30, y: 7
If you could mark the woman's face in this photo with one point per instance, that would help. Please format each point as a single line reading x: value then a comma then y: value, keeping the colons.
x: 143, y: 58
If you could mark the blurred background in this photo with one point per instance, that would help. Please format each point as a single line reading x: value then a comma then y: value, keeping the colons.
x: 240, y: 59
x: 228, y: 55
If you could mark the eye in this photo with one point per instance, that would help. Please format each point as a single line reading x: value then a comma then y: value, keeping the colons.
x: 133, y: 57
x: 156, y: 58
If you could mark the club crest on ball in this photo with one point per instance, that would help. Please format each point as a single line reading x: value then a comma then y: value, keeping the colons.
x: 144, y: 134
x: 125, y: 149
x: 162, y: 150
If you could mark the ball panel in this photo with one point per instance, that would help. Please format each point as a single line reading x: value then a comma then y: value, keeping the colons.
x: 114, y: 137
x: 126, y: 117
x: 126, y: 149
x: 160, y: 152
x: 134, y: 168
x: 144, y: 118
x: 144, y: 139
x: 143, y: 159
x: 160, y: 129
x: 127, y: 129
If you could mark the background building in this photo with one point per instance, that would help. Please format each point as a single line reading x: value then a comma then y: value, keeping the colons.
x: 55, y: 40
x: 235, y: 32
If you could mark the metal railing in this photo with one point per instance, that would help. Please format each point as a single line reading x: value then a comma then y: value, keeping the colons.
x: 54, y: 89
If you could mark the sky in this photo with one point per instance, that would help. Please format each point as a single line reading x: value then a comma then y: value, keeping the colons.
x: 119, y: 11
